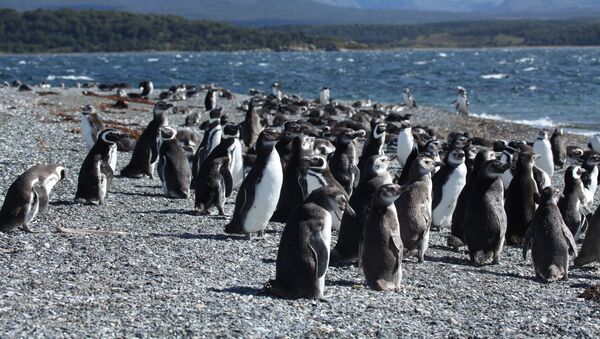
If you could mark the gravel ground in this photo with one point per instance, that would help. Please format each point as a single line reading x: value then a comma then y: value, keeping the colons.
x: 175, y: 274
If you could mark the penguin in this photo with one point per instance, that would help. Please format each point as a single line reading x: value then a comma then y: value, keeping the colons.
x: 276, y: 91
x: 318, y: 174
x: 212, y: 137
x: 408, y: 99
x: 98, y: 168
x: 573, y: 205
x: 590, y: 176
x: 236, y: 156
x: 590, y: 250
x: 284, y: 146
x: 485, y: 219
x: 91, y: 125
x: 324, y: 95
x: 146, y: 88
x: 457, y: 237
x: 294, y: 184
x: 559, y: 148
x: 375, y: 175
x: 374, y: 144
x: 508, y: 157
x: 303, y: 254
x: 405, y: 145
x: 258, y: 195
x: 215, y: 180
x: 462, y: 103
x: 251, y: 127
x: 448, y: 182
x: 594, y: 143
x: 210, y: 101
x: 542, y: 147
x: 432, y: 147
x: 173, y: 166
x: 521, y: 197
x: 381, y: 246
x: 145, y: 153
x: 549, y: 239
x: 28, y: 196
x: 414, y: 208
x: 343, y: 161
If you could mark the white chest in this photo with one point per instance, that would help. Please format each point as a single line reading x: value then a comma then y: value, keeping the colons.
x: 404, y: 145
x: 266, y: 195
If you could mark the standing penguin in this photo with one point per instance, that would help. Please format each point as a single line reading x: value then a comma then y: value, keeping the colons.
x: 573, y: 205
x: 405, y: 145
x: 549, y: 239
x: 251, y: 126
x: 521, y: 196
x: 594, y: 143
x: 542, y: 147
x: 448, y: 182
x: 173, y: 166
x: 210, y: 101
x: 303, y: 255
x: 462, y: 103
x: 590, y: 177
x: 145, y: 153
x: 236, y: 156
x: 375, y: 175
x: 91, y: 125
x: 432, y: 148
x: 29, y: 195
x: 457, y: 236
x: 409, y: 99
x: 212, y: 137
x: 318, y: 174
x: 374, y: 144
x: 485, y: 218
x: 590, y: 250
x: 216, y: 177
x: 294, y: 184
x: 259, y: 193
x: 343, y: 162
x: 414, y: 208
x: 559, y: 148
x: 324, y: 95
x: 381, y: 245
x: 98, y: 168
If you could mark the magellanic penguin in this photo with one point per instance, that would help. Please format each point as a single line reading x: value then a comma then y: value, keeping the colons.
x: 590, y: 177
x: 294, y: 184
x: 344, y: 160
x: 448, y: 182
x: 324, y: 95
x: 414, y: 208
x: 542, y: 147
x: 276, y: 91
x: 408, y: 99
x: 145, y: 154
x: 462, y: 103
x: 405, y: 145
x: 215, y: 180
x: 573, y: 205
x: 559, y: 148
x: 29, y: 195
x: 590, y: 250
x: 212, y: 137
x: 98, y: 168
x: 258, y: 195
x: 374, y: 144
x: 303, y: 255
x: 91, y: 125
x: 520, y: 199
x: 375, y: 175
x: 284, y: 146
x: 210, y: 101
x: 173, y: 166
x: 432, y: 147
x: 381, y: 247
x: 485, y: 219
x: 319, y: 175
x: 146, y: 88
x: 251, y: 127
x: 549, y: 239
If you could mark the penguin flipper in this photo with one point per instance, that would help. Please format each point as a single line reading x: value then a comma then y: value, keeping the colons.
x: 319, y: 251
x: 227, y: 180
x: 396, y: 241
x: 42, y: 197
x: 354, y: 169
x: 567, y: 233
x: 527, y: 241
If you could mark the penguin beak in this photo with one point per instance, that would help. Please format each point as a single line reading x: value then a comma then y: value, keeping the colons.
x: 439, y: 163
x: 350, y: 211
x: 536, y: 156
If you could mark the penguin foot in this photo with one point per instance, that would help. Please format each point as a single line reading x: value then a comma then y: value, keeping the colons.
x: 26, y: 229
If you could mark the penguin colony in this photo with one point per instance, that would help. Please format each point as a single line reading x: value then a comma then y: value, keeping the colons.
x: 299, y: 162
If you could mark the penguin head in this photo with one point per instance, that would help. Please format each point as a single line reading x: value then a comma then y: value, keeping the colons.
x: 492, y: 169
x: 405, y: 125
x: 527, y: 159
x: 387, y: 194
x: 456, y: 157
x: 161, y: 107
x: 348, y: 137
x: 559, y: 131
x: 377, y: 165
x: 59, y: 171
x: 231, y: 131
x: 592, y: 159
x: 470, y: 152
x: 87, y: 109
x: 461, y: 90
x: 316, y: 162
x: 573, y: 173
x: 407, y: 90
x: 379, y: 130
x: 433, y: 146
x: 542, y: 135
x: 550, y: 194
x: 424, y: 164
x: 323, y: 147
x: 332, y: 199
x: 167, y: 133
x: 110, y: 136
x: 304, y: 144
x: 267, y: 139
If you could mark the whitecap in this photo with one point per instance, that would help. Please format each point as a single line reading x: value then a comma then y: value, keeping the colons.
x: 496, y: 76
x: 529, y: 69
x: 22, y: 62
x: 263, y: 64
x: 532, y: 88
x: 152, y: 60
x: 52, y: 77
x: 442, y: 55
x: 540, y: 122
x: 339, y: 59
x: 420, y: 62
x: 524, y: 60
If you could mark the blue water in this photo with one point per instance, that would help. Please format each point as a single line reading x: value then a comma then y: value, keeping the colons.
x: 542, y: 87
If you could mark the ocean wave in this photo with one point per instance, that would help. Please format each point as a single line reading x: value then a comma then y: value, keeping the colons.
x: 421, y: 62
x: 152, y: 60
x: 496, y: 76
x: 52, y: 77
x: 529, y: 69
x: 543, y: 122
